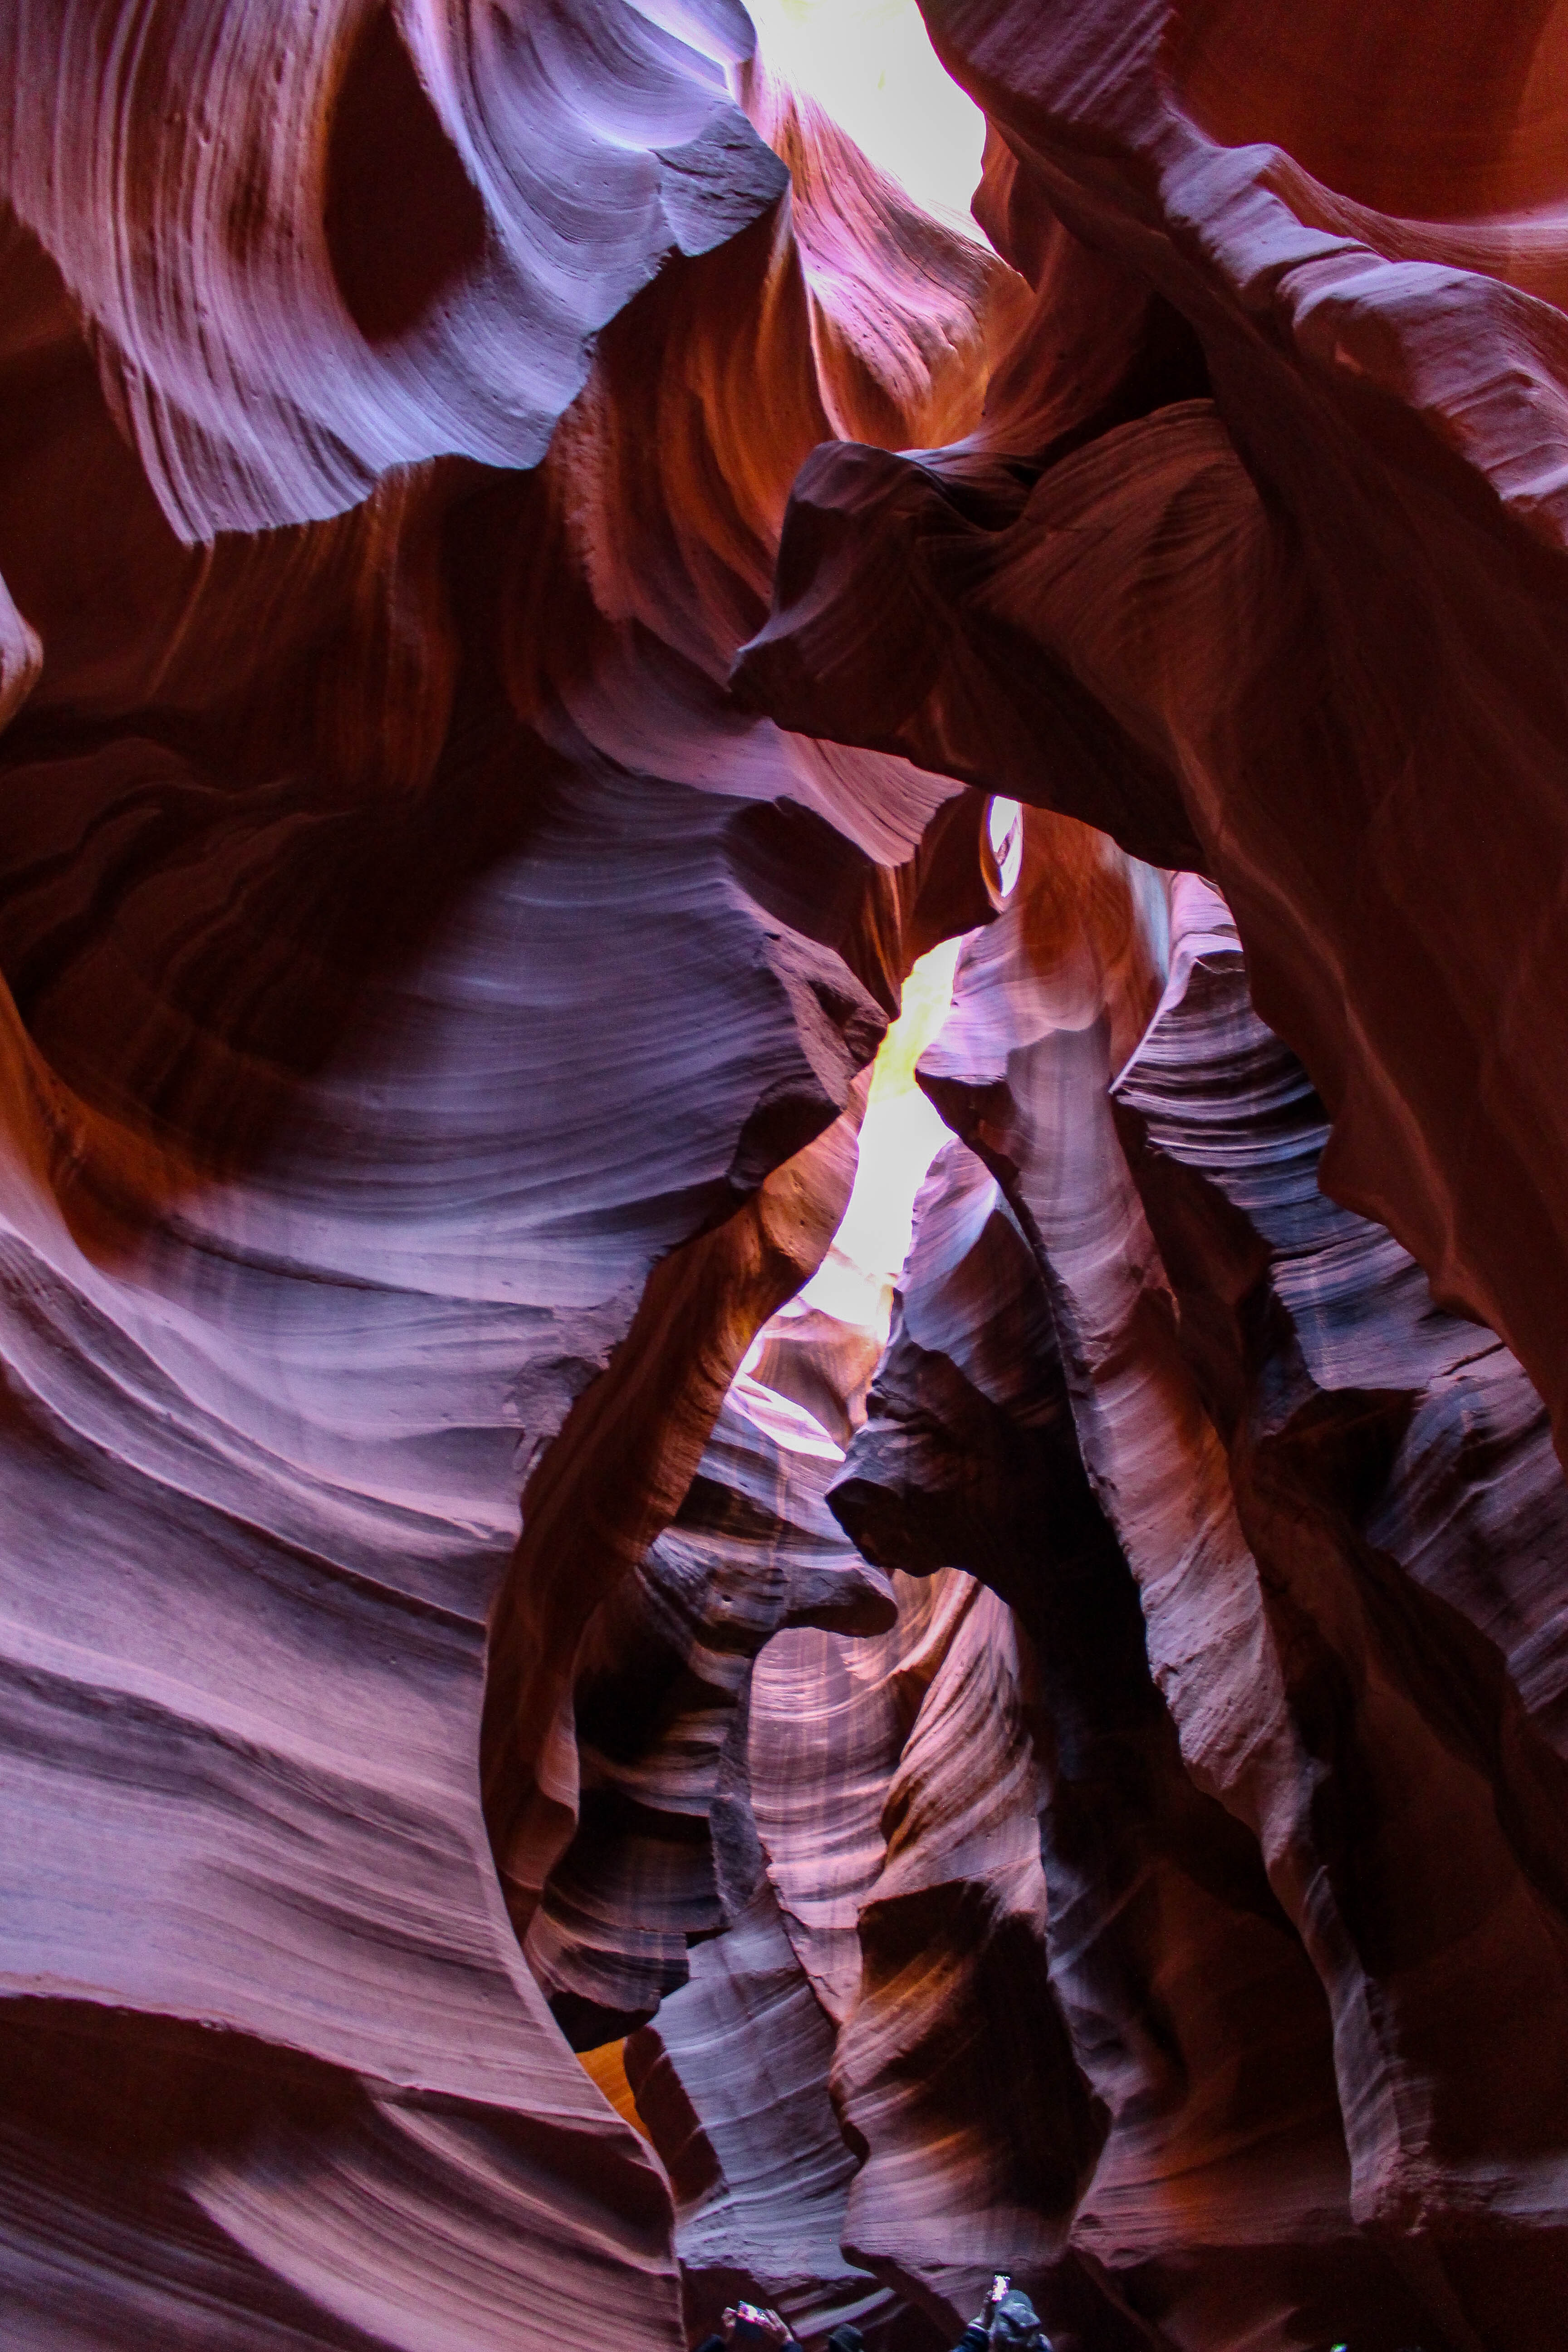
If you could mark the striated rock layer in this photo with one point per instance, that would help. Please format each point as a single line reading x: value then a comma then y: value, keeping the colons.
x: 521, y: 559
x: 1180, y: 1879
x: 1302, y: 1822
x: 1258, y: 559
x: 408, y: 948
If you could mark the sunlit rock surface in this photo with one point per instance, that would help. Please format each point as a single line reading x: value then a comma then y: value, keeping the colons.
x: 1258, y: 559
x: 584, y: 1735
x: 1169, y: 1400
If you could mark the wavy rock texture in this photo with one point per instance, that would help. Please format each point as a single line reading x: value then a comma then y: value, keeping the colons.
x: 316, y: 244
x: 1302, y: 1767
x: 408, y: 949
x: 664, y: 1851
x: 668, y: 1853
x: 515, y: 540
x: 1258, y: 559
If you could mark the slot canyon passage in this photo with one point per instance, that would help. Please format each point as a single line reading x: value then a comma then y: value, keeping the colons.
x: 606, y: 1706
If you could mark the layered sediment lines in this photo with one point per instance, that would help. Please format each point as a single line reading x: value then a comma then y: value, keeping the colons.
x: 1258, y: 559
x: 521, y: 556
x: 407, y: 947
x: 1301, y: 1775
x: 1181, y: 1877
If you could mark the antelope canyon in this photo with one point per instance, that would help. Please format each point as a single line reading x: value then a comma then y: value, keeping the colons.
x: 784, y: 1172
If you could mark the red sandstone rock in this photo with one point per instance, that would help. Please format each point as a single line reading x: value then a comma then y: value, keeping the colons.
x: 1280, y: 594
x: 663, y: 1853
x: 1307, y: 1627
x: 435, y: 1012
x: 410, y: 947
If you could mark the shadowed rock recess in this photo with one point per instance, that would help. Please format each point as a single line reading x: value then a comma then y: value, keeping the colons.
x: 548, y: 1785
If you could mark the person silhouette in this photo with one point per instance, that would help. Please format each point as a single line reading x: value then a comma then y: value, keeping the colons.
x: 1006, y: 2323
x: 747, y: 2327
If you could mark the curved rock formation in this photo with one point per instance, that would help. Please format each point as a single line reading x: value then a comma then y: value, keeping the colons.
x: 410, y: 947
x: 521, y: 558
x: 316, y: 244
x: 1162, y: 1394
x: 665, y: 1852
x: 1256, y: 560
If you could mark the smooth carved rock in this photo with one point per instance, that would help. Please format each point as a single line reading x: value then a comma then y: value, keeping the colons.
x: 664, y: 1852
x: 1175, y: 1980
x: 1422, y: 1421
x: 318, y: 244
x: 513, y: 539
x: 1326, y: 1391
x: 822, y: 1363
x: 1277, y: 591
x: 408, y: 949
x: 1253, y: 1534
x: 733, y: 2080
x: 913, y: 1898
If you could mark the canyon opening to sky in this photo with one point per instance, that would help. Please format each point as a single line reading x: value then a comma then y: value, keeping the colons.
x: 784, y: 1183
